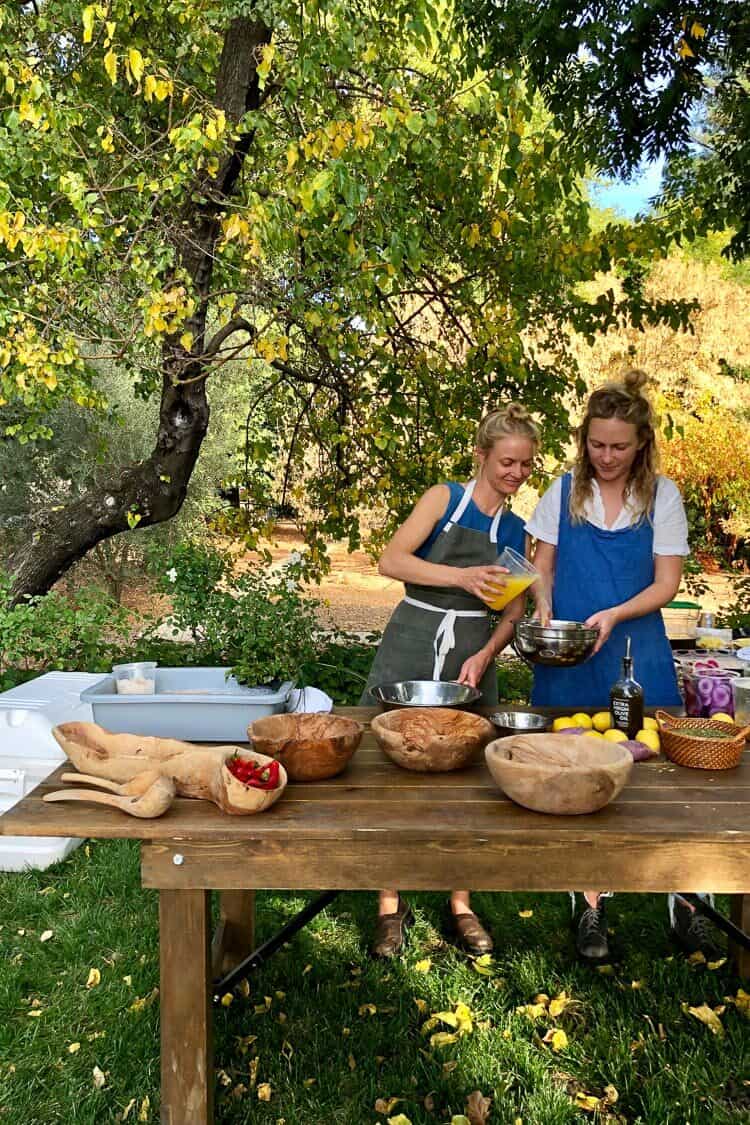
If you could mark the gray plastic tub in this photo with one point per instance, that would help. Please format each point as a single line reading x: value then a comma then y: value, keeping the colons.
x: 199, y: 704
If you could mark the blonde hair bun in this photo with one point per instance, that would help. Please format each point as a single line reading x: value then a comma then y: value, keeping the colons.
x: 511, y: 420
x: 634, y: 380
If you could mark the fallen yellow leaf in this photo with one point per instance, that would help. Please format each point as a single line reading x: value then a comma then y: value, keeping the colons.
x: 126, y: 1111
x: 74, y: 1048
x: 443, y: 1038
x: 227, y: 999
x: 716, y: 964
x: 586, y: 1102
x: 385, y: 1105
x: 98, y: 1078
x: 697, y: 958
x: 143, y: 1112
x: 423, y: 966
x: 636, y: 984
x: 367, y: 1009
x: 421, y: 1004
x: 605, y: 970
x: 559, y: 1004
x: 94, y: 978
x: 264, y: 1092
x: 399, y: 1119
x: 556, y: 1038
x: 709, y: 1017
x: 352, y: 1062
x: 610, y: 1094
x: 525, y: 913
x: 46, y: 935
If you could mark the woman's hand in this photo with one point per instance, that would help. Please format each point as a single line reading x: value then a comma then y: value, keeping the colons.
x: 474, y: 668
x: 605, y: 621
x: 482, y: 581
x: 542, y: 611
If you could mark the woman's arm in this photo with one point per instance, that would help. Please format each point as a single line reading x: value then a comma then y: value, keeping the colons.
x: 667, y: 577
x: 544, y: 559
x: 400, y: 561
x: 475, y: 666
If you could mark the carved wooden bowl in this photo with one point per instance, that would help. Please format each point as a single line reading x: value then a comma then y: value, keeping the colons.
x: 310, y: 746
x: 431, y: 739
x: 558, y: 773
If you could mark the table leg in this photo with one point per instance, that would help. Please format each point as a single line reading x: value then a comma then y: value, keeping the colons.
x: 740, y: 915
x: 234, y: 938
x: 187, y: 1068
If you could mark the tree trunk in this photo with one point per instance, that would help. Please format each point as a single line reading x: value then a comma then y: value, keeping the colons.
x: 152, y: 491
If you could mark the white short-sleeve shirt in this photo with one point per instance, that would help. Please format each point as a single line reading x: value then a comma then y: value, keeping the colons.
x: 670, y: 522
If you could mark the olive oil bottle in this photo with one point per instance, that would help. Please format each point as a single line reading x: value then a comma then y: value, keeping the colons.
x: 626, y: 698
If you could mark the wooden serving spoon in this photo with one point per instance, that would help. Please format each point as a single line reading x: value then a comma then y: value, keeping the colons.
x: 136, y: 787
x: 154, y: 802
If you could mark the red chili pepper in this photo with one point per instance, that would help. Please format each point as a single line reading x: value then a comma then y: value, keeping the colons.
x: 254, y: 774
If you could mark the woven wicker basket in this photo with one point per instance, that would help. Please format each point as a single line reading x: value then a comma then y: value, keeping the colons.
x: 701, y: 753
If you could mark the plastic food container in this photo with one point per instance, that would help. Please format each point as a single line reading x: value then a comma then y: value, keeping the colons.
x: 708, y: 691
x: 197, y: 704
x: 138, y: 678
x: 741, y: 696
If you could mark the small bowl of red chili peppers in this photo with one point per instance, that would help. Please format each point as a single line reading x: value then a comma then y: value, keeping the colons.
x: 253, y: 782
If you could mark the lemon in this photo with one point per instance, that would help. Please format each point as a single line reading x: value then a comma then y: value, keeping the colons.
x: 650, y: 738
x: 602, y: 720
x: 722, y: 716
x: 581, y: 720
x: 593, y: 734
x: 650, y: 724
x: 563, y: 723
x: 613, y: 735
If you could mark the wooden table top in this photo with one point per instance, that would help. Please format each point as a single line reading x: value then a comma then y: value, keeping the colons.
x: 374, y: 797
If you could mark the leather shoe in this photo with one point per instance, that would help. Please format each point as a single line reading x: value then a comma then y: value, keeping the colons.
x: 470, y: 933
x: 391, y: 930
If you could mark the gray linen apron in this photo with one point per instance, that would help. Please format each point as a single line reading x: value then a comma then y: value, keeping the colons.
x: 414, y: 637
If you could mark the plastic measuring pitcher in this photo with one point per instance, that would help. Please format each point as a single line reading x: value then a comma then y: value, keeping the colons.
x: 520, y: 576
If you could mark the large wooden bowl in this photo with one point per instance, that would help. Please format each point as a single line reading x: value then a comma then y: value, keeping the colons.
x: 310, y: 746
x: 431, y: 739
x: 558, y: 773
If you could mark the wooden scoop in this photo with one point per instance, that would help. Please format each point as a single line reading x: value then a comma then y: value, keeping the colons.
x: 152, y: 803
x: 136, y: 787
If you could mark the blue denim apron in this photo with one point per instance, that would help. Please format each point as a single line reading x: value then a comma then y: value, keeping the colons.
x: 596, y: 569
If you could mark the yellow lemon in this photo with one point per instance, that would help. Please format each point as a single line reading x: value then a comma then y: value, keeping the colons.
x: 593, y: 734
x: 722, y: 716
x: 581, y: 720
x: 650, y: 724
x: 563, y: 722
x: 613, y: 735
x: 602, y: 720
x: 650, y: 738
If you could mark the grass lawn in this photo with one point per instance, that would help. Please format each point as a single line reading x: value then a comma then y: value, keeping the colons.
x: 325, y: 1033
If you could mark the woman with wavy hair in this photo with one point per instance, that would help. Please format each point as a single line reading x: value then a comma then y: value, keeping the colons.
x: 445, y: 553
x: 611, y: 537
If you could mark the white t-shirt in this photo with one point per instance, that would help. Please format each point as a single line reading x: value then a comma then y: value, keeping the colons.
x: 670, y: 522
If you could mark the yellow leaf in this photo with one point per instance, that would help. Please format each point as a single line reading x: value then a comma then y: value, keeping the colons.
x: 742, y: 1001
x: 367, y: 1009
x: 559, y: 1004
x: 697, y: 958
x: 610, y: 1094
x: 94, y: 978
x: 605, y: 970
x: 292, y: 156
x: 636, y: 984
x: 385, y: 1105
x: 264, y: 1092
x: 227, y: 999
x: 586, y: 1102
x: 423, y: 966
x: 399, y: 1119
x: 442, y: 1038
x: 307, y: 969
x: 559, y: 1040
x: 74, y: 1048
x: 110, y: 65
x: 46, y: 935
x: 446, y: 1017
x: 697, y: 30
x: 88, y: 23
x: 135, y: 62
x: 98, y: 1078
x: 525, y: 913
x: 126, y: 1111
x: 352, y: 1062
x: 709, y: 1017
x: 716, y: 964
x: 143, y: 1112
x: 421, y: 1004
x: 264, y: 66
x: 684, y: 50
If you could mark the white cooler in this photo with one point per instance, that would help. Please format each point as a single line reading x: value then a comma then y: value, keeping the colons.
x: 29, y: 754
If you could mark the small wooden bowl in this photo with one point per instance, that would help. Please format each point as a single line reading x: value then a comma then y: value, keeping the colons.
x: 238, y: 799
x: 559, y: 774
x: 310, y: 746
x: 431, y: 739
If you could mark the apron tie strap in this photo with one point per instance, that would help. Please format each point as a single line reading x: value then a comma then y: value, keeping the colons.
x: 445, y: 636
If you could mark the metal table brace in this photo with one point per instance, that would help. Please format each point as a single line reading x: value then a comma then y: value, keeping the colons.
x: 260, y: 955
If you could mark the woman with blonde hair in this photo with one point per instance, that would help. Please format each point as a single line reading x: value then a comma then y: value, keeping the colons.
x: 445, y: 553
x: 611, y: 537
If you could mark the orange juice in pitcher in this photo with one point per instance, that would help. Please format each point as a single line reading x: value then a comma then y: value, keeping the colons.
x: 520, y: 576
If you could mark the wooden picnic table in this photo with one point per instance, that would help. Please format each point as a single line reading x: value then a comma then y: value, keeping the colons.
x: 378, y: 825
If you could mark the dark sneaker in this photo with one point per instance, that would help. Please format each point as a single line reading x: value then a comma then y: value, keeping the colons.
x: 693, y: 932
x: 391, y: 930
x: 470, y: 933
x: 591, y: 935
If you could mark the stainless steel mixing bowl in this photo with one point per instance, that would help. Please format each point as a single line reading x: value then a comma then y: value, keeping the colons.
x: 520, y: 722
x: 425, y: 693
x: 559, y: 644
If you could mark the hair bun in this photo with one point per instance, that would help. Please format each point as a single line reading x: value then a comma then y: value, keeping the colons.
x: 516, y: 413
x: 634, y: 380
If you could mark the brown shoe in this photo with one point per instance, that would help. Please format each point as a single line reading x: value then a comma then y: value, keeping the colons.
x: 390, y: 931
x: 471, y: 934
